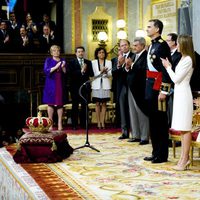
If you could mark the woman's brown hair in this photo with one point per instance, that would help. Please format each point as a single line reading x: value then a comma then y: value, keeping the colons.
x: 186, y: 47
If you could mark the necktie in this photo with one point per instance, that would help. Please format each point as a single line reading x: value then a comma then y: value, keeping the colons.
x: 47, y: 37
x: 4, y: 33
x: 81, y: 62
x: 136, y: 57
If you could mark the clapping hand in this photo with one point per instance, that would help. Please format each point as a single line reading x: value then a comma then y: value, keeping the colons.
x: 128, y: 62
x: 166, y: 63
x: 84, y: 68
x: 104, y: 70
x: 121, y: 60
x: 63, y: 64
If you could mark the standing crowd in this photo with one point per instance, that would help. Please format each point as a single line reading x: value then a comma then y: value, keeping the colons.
x: 27, y: 36
x: 150, y: 85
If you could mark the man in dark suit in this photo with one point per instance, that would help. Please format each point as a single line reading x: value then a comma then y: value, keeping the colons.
x: 195, y: 79
x: 80, y: 70
x: 136, y: 82
x: 172, y: 43
x: 121, y: 86
x: 46, y: 39
x: 4, y: 37
x: 114, y: 89
x: 157, y: 89
x: 24, y: 43
x: 14, y: 29
x: 176, y: 56
x: 46, y: 21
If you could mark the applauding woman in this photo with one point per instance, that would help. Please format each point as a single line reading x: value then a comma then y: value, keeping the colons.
x: 101, y: 85
x: 54, y: 92
x: 183, y: 100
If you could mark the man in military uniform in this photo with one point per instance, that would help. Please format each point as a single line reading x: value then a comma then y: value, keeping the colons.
x: 157, y: 89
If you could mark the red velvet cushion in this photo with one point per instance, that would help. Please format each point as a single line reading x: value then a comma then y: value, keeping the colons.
x: 177, y: 133
x: 194, y: 135
x: 174, y: 132
x: 39, y: 147
x: 36, y: 138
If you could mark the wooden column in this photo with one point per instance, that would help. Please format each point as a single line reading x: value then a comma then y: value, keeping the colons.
x: 121, y: 9
x: 76, y: 23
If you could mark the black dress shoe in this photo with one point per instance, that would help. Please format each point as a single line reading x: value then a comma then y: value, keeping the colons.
x: 150, y: 158
x: 143, y: 142
x: 123, y: 137
x: 134, y: 140
x: 158, y: 160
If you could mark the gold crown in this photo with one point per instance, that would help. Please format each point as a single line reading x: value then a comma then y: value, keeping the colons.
x: 39, y: 123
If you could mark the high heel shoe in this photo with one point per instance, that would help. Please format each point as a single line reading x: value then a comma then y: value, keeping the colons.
x: 60, y: 127
x: 103, y: 126
x: 182, y: 167
x: 99, y: 126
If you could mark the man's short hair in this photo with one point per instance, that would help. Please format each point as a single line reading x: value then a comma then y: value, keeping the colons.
x: 79, y: 47
x: 158, y: 24
x: 124, y: 40
x: 141, y: 40
x: 174, y: 37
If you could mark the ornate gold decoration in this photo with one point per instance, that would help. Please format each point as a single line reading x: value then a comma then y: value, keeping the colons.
x: 39, y: 123
x: 165, y: 87
x: 98, y: 21
x: 162, y: 106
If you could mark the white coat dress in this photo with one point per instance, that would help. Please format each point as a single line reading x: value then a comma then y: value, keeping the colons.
x: 183, y: 101
x: 105, y: 82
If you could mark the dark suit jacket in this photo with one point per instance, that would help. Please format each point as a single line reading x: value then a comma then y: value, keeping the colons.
x: 114, y: 79
x: 120, y: 76
x: 4, y: 47
x: 136, y: 80
x: 176, y: 56
x: 76, y: 78
x: 44, y: 46
x: 195, y: 79
x: 28, y: 48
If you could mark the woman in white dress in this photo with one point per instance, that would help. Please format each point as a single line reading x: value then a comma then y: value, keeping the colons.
x: 183, y: 100
x: 101, y: 86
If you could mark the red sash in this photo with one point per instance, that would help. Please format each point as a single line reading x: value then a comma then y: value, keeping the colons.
x: 158, y: 78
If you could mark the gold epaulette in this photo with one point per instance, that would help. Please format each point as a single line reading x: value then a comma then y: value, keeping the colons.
x: 165, y: 87
x: 161, y: 40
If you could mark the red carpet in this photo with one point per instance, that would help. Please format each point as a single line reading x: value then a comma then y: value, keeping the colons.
x: 53, y: 186
x: 92, y: 130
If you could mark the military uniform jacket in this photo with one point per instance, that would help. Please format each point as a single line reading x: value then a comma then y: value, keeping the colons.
x: 158, y: 49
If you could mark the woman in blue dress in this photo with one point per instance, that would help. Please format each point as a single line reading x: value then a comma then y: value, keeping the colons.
x: 54, y: 92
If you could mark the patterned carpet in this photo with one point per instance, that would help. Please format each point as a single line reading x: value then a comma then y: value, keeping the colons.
x: 117, y: 172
